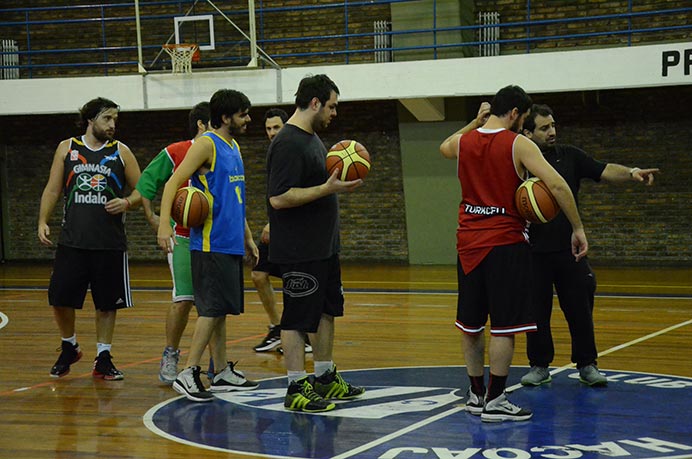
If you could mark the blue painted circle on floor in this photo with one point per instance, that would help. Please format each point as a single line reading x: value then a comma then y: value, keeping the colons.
x: 417, y: 413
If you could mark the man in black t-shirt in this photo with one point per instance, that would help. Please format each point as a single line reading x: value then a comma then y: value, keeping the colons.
x: 304, y: 220
x: 553, y: 263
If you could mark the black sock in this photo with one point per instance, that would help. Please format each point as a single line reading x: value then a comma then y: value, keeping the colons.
x: 496, y: 386
x: 477, y: 385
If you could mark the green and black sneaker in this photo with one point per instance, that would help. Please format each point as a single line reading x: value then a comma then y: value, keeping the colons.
x: 331, y: 385
x: 301, y: 396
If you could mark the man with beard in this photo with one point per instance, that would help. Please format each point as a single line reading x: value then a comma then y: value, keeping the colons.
x: 494, y: 257
x: 91, y: 173
x: 553, y: 264
x: 274, y: 120
x: 215, y: 166
x: 304, y: 219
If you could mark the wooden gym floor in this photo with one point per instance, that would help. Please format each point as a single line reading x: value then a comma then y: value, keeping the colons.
x: 396, y: 316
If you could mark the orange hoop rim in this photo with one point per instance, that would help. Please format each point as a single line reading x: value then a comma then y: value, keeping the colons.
x: 179, y: 45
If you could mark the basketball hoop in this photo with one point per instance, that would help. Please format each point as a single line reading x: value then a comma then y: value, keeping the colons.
x: 182, y: 55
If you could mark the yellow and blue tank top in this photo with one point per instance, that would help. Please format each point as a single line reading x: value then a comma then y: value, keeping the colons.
x: 224, y: 184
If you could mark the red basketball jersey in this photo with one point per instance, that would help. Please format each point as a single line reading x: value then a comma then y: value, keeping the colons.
x: 488, y: 216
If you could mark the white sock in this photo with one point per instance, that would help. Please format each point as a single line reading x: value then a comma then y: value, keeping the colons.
x: 100, y: 347
x: 323, y: 367
x: 295, y: 376
x: 72, y: 339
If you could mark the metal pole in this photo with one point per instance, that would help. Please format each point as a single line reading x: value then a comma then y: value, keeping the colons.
x: 253, y: 33
x: 140, y: 67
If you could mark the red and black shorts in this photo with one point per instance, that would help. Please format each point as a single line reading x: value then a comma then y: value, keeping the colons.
x: 499, y: 288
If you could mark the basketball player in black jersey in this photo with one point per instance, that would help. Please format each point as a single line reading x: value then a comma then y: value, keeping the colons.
x: 91, y: 173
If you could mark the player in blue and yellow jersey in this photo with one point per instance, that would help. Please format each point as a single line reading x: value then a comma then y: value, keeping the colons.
x: 214, y: 165
x: 153, y: 178
x: 91, y: 173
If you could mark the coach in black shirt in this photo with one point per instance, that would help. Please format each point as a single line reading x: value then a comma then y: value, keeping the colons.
x: 554, y: 264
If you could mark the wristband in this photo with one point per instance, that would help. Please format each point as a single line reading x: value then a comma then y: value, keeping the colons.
x: 633, y: 170
x: 128, y: 203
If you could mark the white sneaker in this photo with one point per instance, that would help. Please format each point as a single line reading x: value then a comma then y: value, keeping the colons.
x: 190, y: 385
x: 500, y: 409
x: 231, y: 379
x: 168, y: 370
x: 474, y: 403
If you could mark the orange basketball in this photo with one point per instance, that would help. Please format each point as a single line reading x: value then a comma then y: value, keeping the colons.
x: 535, y: 202
x: 190, y: 207
x: 351, y: 158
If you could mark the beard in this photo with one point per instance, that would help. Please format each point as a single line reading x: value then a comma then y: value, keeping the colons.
x: 235, y: 129
x: 517, y: 125
x: 102, y: 135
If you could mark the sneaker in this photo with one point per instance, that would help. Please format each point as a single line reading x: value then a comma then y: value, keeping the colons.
x: 231, y: 379
x: 168, y: 369
x: 332, y: 385
x: 301, y: 396
x: 104, y: 368
x: 590, y: 376
x: 500, y: 409
x: 69, y: 354
x: 475, y: 403
x: 271, y: 341
x: 189, y: 384
x: 536, y: 376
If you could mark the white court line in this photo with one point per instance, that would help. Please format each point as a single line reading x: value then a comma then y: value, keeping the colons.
x: 4, y: 320
x: 398, y: 433
x: 612, y: 349
x: 444, y: 414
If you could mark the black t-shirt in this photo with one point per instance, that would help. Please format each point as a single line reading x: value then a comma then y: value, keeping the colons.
x: 296, y: 159
x: 573, y: 164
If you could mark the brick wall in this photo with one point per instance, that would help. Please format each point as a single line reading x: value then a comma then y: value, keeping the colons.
x: 513, y: 12
x: 373, y: 220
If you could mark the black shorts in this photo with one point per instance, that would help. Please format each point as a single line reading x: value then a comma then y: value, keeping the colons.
x: 217, y: 279
x: 105, y: 272
x: 311, y: 289
x: 263, y: 264
x: 499, y: 288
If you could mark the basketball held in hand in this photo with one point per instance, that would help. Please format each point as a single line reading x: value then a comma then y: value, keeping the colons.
x: 535, y: 202
x: 351, y: 158
x: 190, y: 207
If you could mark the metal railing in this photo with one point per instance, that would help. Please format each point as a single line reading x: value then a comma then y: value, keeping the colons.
x: 98, y: 39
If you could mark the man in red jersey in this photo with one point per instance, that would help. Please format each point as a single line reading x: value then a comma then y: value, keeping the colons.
x: 494, y: 259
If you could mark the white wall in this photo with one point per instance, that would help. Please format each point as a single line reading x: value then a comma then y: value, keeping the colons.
x: 613, y: 68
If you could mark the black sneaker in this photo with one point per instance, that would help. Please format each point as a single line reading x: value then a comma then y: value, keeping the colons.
x: 271, y: 341
x: 332, y: 385
x: 501, y: 409
x: 69, y: 354
x: 301, y: 396
x: 104, y: 368
x: 189, y: 384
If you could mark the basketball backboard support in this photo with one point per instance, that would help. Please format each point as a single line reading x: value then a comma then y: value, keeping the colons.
x: 195, y: 29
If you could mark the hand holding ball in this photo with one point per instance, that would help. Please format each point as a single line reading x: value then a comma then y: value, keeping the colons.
x: 535, y: 202
x: 351, y: 158
x: 190, y: 207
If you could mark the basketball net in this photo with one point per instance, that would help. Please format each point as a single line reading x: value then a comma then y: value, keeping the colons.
x: 181, y: 56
